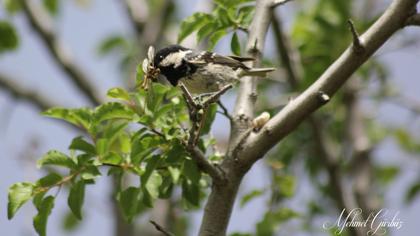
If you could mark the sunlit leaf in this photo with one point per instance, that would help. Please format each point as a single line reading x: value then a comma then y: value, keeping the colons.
x: 56, y: 158
x: 19, y: 193
x: 118, y: 93
x: 192, y: 23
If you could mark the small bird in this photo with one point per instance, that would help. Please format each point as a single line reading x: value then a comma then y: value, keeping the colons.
x: 202, y: 71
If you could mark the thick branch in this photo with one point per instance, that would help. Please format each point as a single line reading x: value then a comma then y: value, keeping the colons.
x: 247, y: 95
x: 330, y: 81
x: 40, y: 102
x: 43, y: 26
x: 222, y: 197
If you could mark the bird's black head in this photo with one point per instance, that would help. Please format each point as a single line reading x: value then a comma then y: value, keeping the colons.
x: 165, y: 52
x: 171, y: 63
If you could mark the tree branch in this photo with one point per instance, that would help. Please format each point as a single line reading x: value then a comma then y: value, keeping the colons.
x: 287, y: 53
x: 222, y: 197
x: 330, y: 81
x: 247, y: 95
x: 43, y: 26
x: 413, y: 20
x: 324, y: 146
x: 276, y: 3
x: 161, y: 229
x: 197, y: 120
x: 40, y: 102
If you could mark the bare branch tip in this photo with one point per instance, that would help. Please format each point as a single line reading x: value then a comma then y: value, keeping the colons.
x: 357, y: 43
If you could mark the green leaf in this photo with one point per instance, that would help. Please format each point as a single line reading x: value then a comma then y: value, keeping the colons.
x: 250, y: 196
x: 50, y: 180
x: 153, y: 183
x: 175, y: 174
x: 191, y: 171
x: 112, y: 110
x: 386, y: 174
x: 70, y: 222
x: 56, y: 158
x: 41, y: 219
x: 12, y: 6
x: 210, y: 116
x: 193, y: 23
x: 165, y: 189
x: 51, y: 6
x: 90, y: 173
x: 235, y: 46
x: 273, y: 219
x: 112, y: 43
x: 129, y: 201
x: 215, y: 37
x: 412, y: 192
x: 19, y: 193
x: 118, y: 93
x: 286, y: 184
x: 245, y: 15
x: 76, y: 198
x: 406, y: 141
x: 80, y: 117
x: 80, y: 144
x: 191, y: 192
x: 151, y: 165
x: 205, y: 31
x: 112, y: 158
x: 9, y: 39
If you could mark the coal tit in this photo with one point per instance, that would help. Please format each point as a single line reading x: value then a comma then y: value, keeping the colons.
x: 203, y: 72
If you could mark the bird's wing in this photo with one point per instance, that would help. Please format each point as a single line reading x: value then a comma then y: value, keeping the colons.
x: 205, y: 57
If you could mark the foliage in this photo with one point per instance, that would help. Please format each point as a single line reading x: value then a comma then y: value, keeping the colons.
x: 8, y: 37
x: 227, y: 16
x: 142, y: 134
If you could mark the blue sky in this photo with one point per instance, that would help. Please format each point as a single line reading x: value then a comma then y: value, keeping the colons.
x: 81, y: 30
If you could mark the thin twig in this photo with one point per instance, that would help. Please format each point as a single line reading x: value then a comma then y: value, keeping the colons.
x: 215, y: 97
x: 225, y: 111
x: 197, y: 117
x: 161, y: 229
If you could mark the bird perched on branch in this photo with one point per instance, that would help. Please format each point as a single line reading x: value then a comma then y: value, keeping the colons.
x: 201, y: 71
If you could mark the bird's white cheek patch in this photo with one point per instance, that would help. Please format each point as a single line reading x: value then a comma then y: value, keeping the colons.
x: 174, y: 59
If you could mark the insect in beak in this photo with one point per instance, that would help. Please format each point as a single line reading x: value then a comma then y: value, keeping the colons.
x: 151, y: 72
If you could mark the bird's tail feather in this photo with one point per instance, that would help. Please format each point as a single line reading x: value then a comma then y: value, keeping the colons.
x: 258, y: 72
